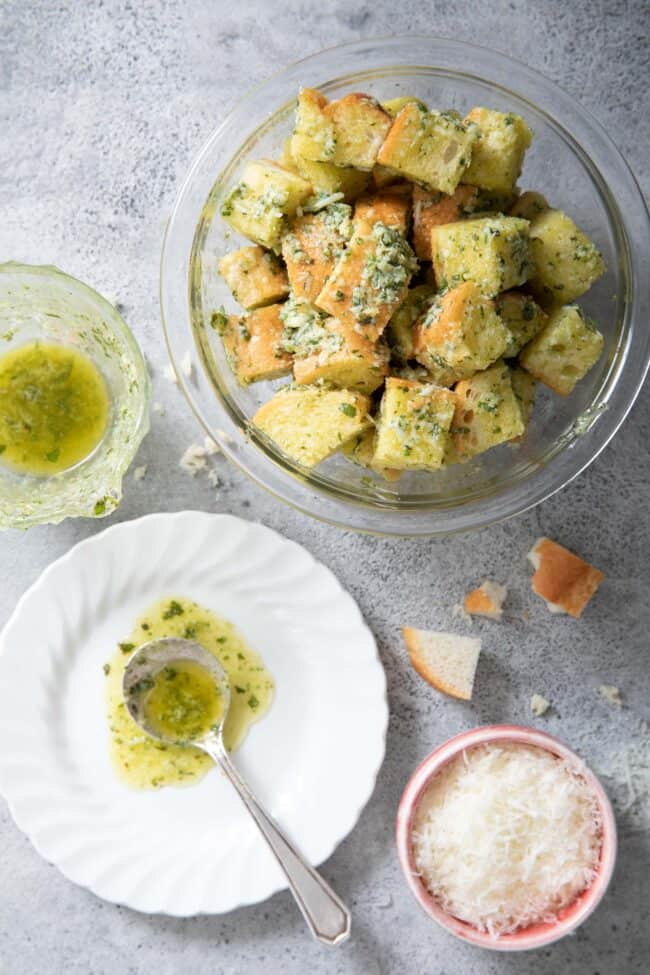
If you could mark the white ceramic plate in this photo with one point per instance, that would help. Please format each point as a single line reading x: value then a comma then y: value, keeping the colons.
x: 312, y: 760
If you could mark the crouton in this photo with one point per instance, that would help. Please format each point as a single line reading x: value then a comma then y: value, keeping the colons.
x: 255, y: 277
x: 446, y: 661
x: 490, y: 251
x: 565, y: 582
x: 361, y: 451
x: 344, y: 358
x: 303, y: 327
x: 523, y: 386
x: 314, y: 136
x: 395, y: 105
x: 523, y: 318
x: 432, y: 148
x: 529, y: 205
x: 391, y: 207
x: 261, y: 203
x: 498, y: 153
x: 312, y: 247
x: 565, y: 261
x: 414, y: 420
x: 400, y: 327
x: 486, y: 600
x: 459, y: 335
x: 487, y: 412
x: 564, y: 351
x: 432, y: 208
x: 309, y: 423
x: 360, y: 127
x: 369, y: 281
x: 252, y: 344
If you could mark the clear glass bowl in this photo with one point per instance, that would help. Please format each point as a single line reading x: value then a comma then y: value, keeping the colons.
x: 572, y: 161
x: 43, y: 303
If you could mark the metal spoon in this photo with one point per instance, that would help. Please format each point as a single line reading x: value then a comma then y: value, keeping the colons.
x: 328, y: 918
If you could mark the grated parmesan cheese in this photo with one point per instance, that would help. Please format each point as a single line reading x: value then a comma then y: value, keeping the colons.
x: 506, y: 836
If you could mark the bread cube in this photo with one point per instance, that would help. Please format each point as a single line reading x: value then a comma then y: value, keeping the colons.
x: 395, y: 105
x: 523, y: 318
x: 309, y: 423
x: 529, y: 205
x: 432, y: 208
x: 413, y: 428
x: 432, y: 148
x: 360, y: 127
x: 564, y: 351
x: 314, y: 136
x: 254, y: 276
x: 498, y: 153
x: 260, y: 204
x: 369, y: 281
x: 565, y: 261
x: 313, y: 245
x: 524, y: 386
x: 487, y: 412
x: 344, y: 358
x: 303, y: 327
x: 490, y: 251
x: 400, y: 327
x: 253, y: 344
x: 391, y: 206
x: 361, y: 451
x: 459, y: 335
x: 325, y: 177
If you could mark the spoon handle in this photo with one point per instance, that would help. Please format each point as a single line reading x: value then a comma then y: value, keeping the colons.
x: 327, y: 916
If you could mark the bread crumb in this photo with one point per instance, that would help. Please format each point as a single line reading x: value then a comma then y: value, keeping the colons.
x: 139, y: 473
x: 193, y: 460
x: 539, y: 705
x: 159, y: 409
x: 170, y: 374
x: 611, y: 694
x: 225, y: 437
x: 487, y: 600
x: 213, y: 478
x: 459, y: 611
x: 211, y: 448
x: 187, y: 366
x: 565, y: 582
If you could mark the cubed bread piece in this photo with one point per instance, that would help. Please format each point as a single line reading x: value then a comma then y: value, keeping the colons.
x: 498, y: 153
x: 490, y: 251
x: 432, y: 148
x: 361, y: 451
x: 487, y: 412
x: 432, y: 208
x: 523, y: 386
x: 344, y: 358
x: 253, y: 344
x: 564, y: 351
x: 260, y: 204
x: 400, y: 327
x: 565, y: 261
x: 308, y: 423
x: 312, y: 247
x: 327, y: 178
x: 414, y: 420
x: 391, y: 206
x: 395, y: 105
x: 303, y: 327
x: 523, y: 318
x: 486, y: 600
x: 459, y: 334
x: 314, y: 136
x: 255, y: 277
x: 360, y: 127
x: 565, y: 582
x: 529, y: 205
x: 369, y: 281
x: 446, y: 661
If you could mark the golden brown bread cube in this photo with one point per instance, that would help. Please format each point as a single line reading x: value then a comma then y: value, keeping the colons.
x: 259, y: 205
x: 413, y: 427
x: 395, y: 105
x: 313, y: 135
x: 344, y: 358
x: 312, y: 246
x: 523, y: 386
x: 490, y: 251
x: 369, y: 281
x: 565, y: 261
x: 523, y: 318
x: 255, y: 276
x: 391, y: 206
x: 487, y: 412
x: 309, y: 423
x: 459, y: 334
x: 401, y: 326
x: 432, y: 208
x: 432, y: 148
x: 346, y: 132
x: 498, y: 153
x: 361, y: 450
x: 252, y: 344
x: 564, y: 351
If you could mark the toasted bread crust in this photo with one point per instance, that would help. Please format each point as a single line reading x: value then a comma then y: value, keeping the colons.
x: 563, y: 580
x: 423, y: 668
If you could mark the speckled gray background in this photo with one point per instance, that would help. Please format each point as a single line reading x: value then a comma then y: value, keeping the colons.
x: 102, y: 106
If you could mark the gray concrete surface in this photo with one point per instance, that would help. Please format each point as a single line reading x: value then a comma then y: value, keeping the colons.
x: 102, y: 106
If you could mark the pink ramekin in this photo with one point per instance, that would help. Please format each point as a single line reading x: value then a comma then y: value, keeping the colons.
x: 536, y: 935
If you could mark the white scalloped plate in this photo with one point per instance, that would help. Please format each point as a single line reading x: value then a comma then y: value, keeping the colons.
x: 312, y: 760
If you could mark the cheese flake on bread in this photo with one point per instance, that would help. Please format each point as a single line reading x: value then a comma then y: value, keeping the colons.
x: 445, y: 660
x: 565, y: 582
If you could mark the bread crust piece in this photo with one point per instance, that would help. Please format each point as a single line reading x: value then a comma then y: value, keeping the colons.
x: 487, y: 600
x: 420, y: 657
x: 431, y: 209
x: 391, y: 206
x: 312, y: 247
x: 255, y: 276
x: 252, y: 344
x: 564, y: 581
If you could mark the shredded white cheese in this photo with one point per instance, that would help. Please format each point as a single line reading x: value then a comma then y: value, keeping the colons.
x: 539, y: 705
x: 506, y: 836
x: 193, y: 460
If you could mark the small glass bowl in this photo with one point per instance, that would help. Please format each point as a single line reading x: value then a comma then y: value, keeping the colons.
x: 572, y: 161
x: 43, y: 303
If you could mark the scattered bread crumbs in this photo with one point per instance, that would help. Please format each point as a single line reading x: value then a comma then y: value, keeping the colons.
x: 211, y: 448
x: 459, y: 611
x: 225, y: 437
x: 170, y: 374
x: 539, y: 705
x: 139, y: 473
x: 565, y: 582
x: 487, y: 600
x: 447, y: 661
x: 159, y: 409
x: 193, y: 460
x: 187, y: 366
x: 213, y: 478
x: 611, y: 694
